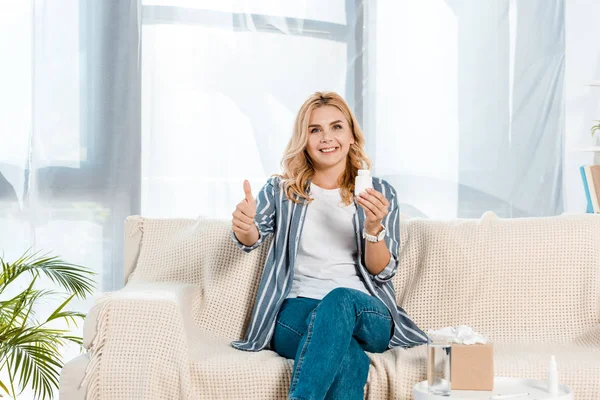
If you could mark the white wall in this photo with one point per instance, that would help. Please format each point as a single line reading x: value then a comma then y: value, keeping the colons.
x: 582, y: 101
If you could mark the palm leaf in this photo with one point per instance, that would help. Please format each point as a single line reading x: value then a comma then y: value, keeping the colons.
x: 21, y: 307
x: 8, y: 308
x: 21, y: 304
x: 74, y: 278
x: 66, y: 315
x: 38, y: 364
x: 70, y: 276
x: 11, y: 271
x: 4, y: 388
x: 35, y: 356
x: 30, y: 351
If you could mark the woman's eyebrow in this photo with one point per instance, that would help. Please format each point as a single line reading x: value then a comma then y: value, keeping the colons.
x: 332, y: 123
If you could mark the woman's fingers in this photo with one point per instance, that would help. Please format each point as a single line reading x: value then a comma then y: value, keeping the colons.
x: 240, y: 225
x: 367, y: 205
x: 374, y: 205
x: 237, y: 214
x: 377, y: 198
x: 248, y: 210
x: 368, y: 213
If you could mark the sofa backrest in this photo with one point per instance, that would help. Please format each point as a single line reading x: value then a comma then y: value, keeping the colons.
x: 512, y: 279
x: 199, y: 252
x: 525, y: 279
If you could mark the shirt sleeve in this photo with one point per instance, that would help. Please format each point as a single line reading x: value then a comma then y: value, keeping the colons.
x: 392, y: 236
x: 265, y: 215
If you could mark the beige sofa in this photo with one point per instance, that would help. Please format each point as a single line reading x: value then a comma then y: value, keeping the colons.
x: 532, y: 285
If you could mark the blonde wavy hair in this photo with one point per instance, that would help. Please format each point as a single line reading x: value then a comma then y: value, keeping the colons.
x: 296, y: 165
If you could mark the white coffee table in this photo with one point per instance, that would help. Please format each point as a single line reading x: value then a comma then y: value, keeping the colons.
x: 537, y: 391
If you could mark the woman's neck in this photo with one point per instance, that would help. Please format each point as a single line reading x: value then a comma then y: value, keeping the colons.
x: 327, y: 179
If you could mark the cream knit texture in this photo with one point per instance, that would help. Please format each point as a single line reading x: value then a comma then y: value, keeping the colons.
x: 532, y: 285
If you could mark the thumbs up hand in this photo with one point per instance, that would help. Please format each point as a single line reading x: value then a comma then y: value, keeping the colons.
x: 243, y: 218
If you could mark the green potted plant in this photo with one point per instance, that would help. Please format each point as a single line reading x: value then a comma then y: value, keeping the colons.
x: 596, y: 127
x: 30, y: 347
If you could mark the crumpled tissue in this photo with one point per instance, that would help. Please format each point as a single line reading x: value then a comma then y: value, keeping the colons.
x: 457, y: 334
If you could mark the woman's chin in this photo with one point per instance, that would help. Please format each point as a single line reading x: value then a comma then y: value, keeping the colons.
x: 329, y: 162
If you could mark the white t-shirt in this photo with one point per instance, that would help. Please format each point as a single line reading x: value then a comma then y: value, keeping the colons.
x: 327, y: 249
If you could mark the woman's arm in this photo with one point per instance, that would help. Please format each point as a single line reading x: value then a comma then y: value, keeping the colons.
x: 381, y: 258
x: 377, y: 255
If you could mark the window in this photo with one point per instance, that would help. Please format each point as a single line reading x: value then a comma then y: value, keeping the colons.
x: 454, y: 98
x: 222, y: 83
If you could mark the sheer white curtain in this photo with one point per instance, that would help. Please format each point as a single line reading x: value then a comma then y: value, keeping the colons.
x: 461, y: 100
x: 221, y: 83
x: 469, y: 105
x: 69, y: 133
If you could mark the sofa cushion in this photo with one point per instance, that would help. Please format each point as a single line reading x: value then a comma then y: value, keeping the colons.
x: 228, y: 373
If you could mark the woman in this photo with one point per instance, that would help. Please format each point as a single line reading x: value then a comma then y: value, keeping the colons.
x: 326, y: 295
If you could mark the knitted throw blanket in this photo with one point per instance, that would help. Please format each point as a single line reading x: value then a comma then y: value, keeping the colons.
x: 532, y: 285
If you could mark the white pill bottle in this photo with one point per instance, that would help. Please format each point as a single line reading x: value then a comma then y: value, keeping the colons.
x: 363, y: 181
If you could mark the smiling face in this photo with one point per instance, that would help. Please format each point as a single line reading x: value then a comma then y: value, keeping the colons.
x: 329, y: 138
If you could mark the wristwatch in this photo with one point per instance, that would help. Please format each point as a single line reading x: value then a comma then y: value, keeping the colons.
x: 372, y: 238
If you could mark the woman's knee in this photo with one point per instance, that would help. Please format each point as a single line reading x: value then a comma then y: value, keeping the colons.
x: 341, y: 294
x: 343, y: 299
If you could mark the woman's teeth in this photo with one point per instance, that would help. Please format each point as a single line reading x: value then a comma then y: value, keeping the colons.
x: 328, y: 150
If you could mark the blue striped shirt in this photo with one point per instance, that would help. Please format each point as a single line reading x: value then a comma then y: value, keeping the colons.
x: 275, y: 213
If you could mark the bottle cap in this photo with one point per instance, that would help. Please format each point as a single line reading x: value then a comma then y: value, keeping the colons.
x: 364, y: 172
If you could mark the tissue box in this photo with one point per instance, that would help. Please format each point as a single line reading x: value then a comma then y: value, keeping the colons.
x: 472, y: 367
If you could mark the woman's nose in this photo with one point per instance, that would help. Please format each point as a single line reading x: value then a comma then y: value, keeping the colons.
x: 327, y: 136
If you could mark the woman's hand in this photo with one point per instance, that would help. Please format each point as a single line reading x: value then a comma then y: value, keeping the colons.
x: 243, y: 218
x: 376, y: 208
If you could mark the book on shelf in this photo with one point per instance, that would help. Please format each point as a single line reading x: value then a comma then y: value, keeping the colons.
x: 590, y: 174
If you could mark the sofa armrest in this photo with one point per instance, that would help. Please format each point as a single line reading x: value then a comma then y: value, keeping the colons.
x: 179, y: 295
x: 140, y: 320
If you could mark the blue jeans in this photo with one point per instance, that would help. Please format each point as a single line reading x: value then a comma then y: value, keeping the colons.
x: 327, y: 340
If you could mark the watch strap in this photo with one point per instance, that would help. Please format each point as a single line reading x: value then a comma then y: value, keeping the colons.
x: 374, y: 238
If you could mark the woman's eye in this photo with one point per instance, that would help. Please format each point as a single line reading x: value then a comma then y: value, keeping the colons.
x: 314, y: 130
x: 338, y: 126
